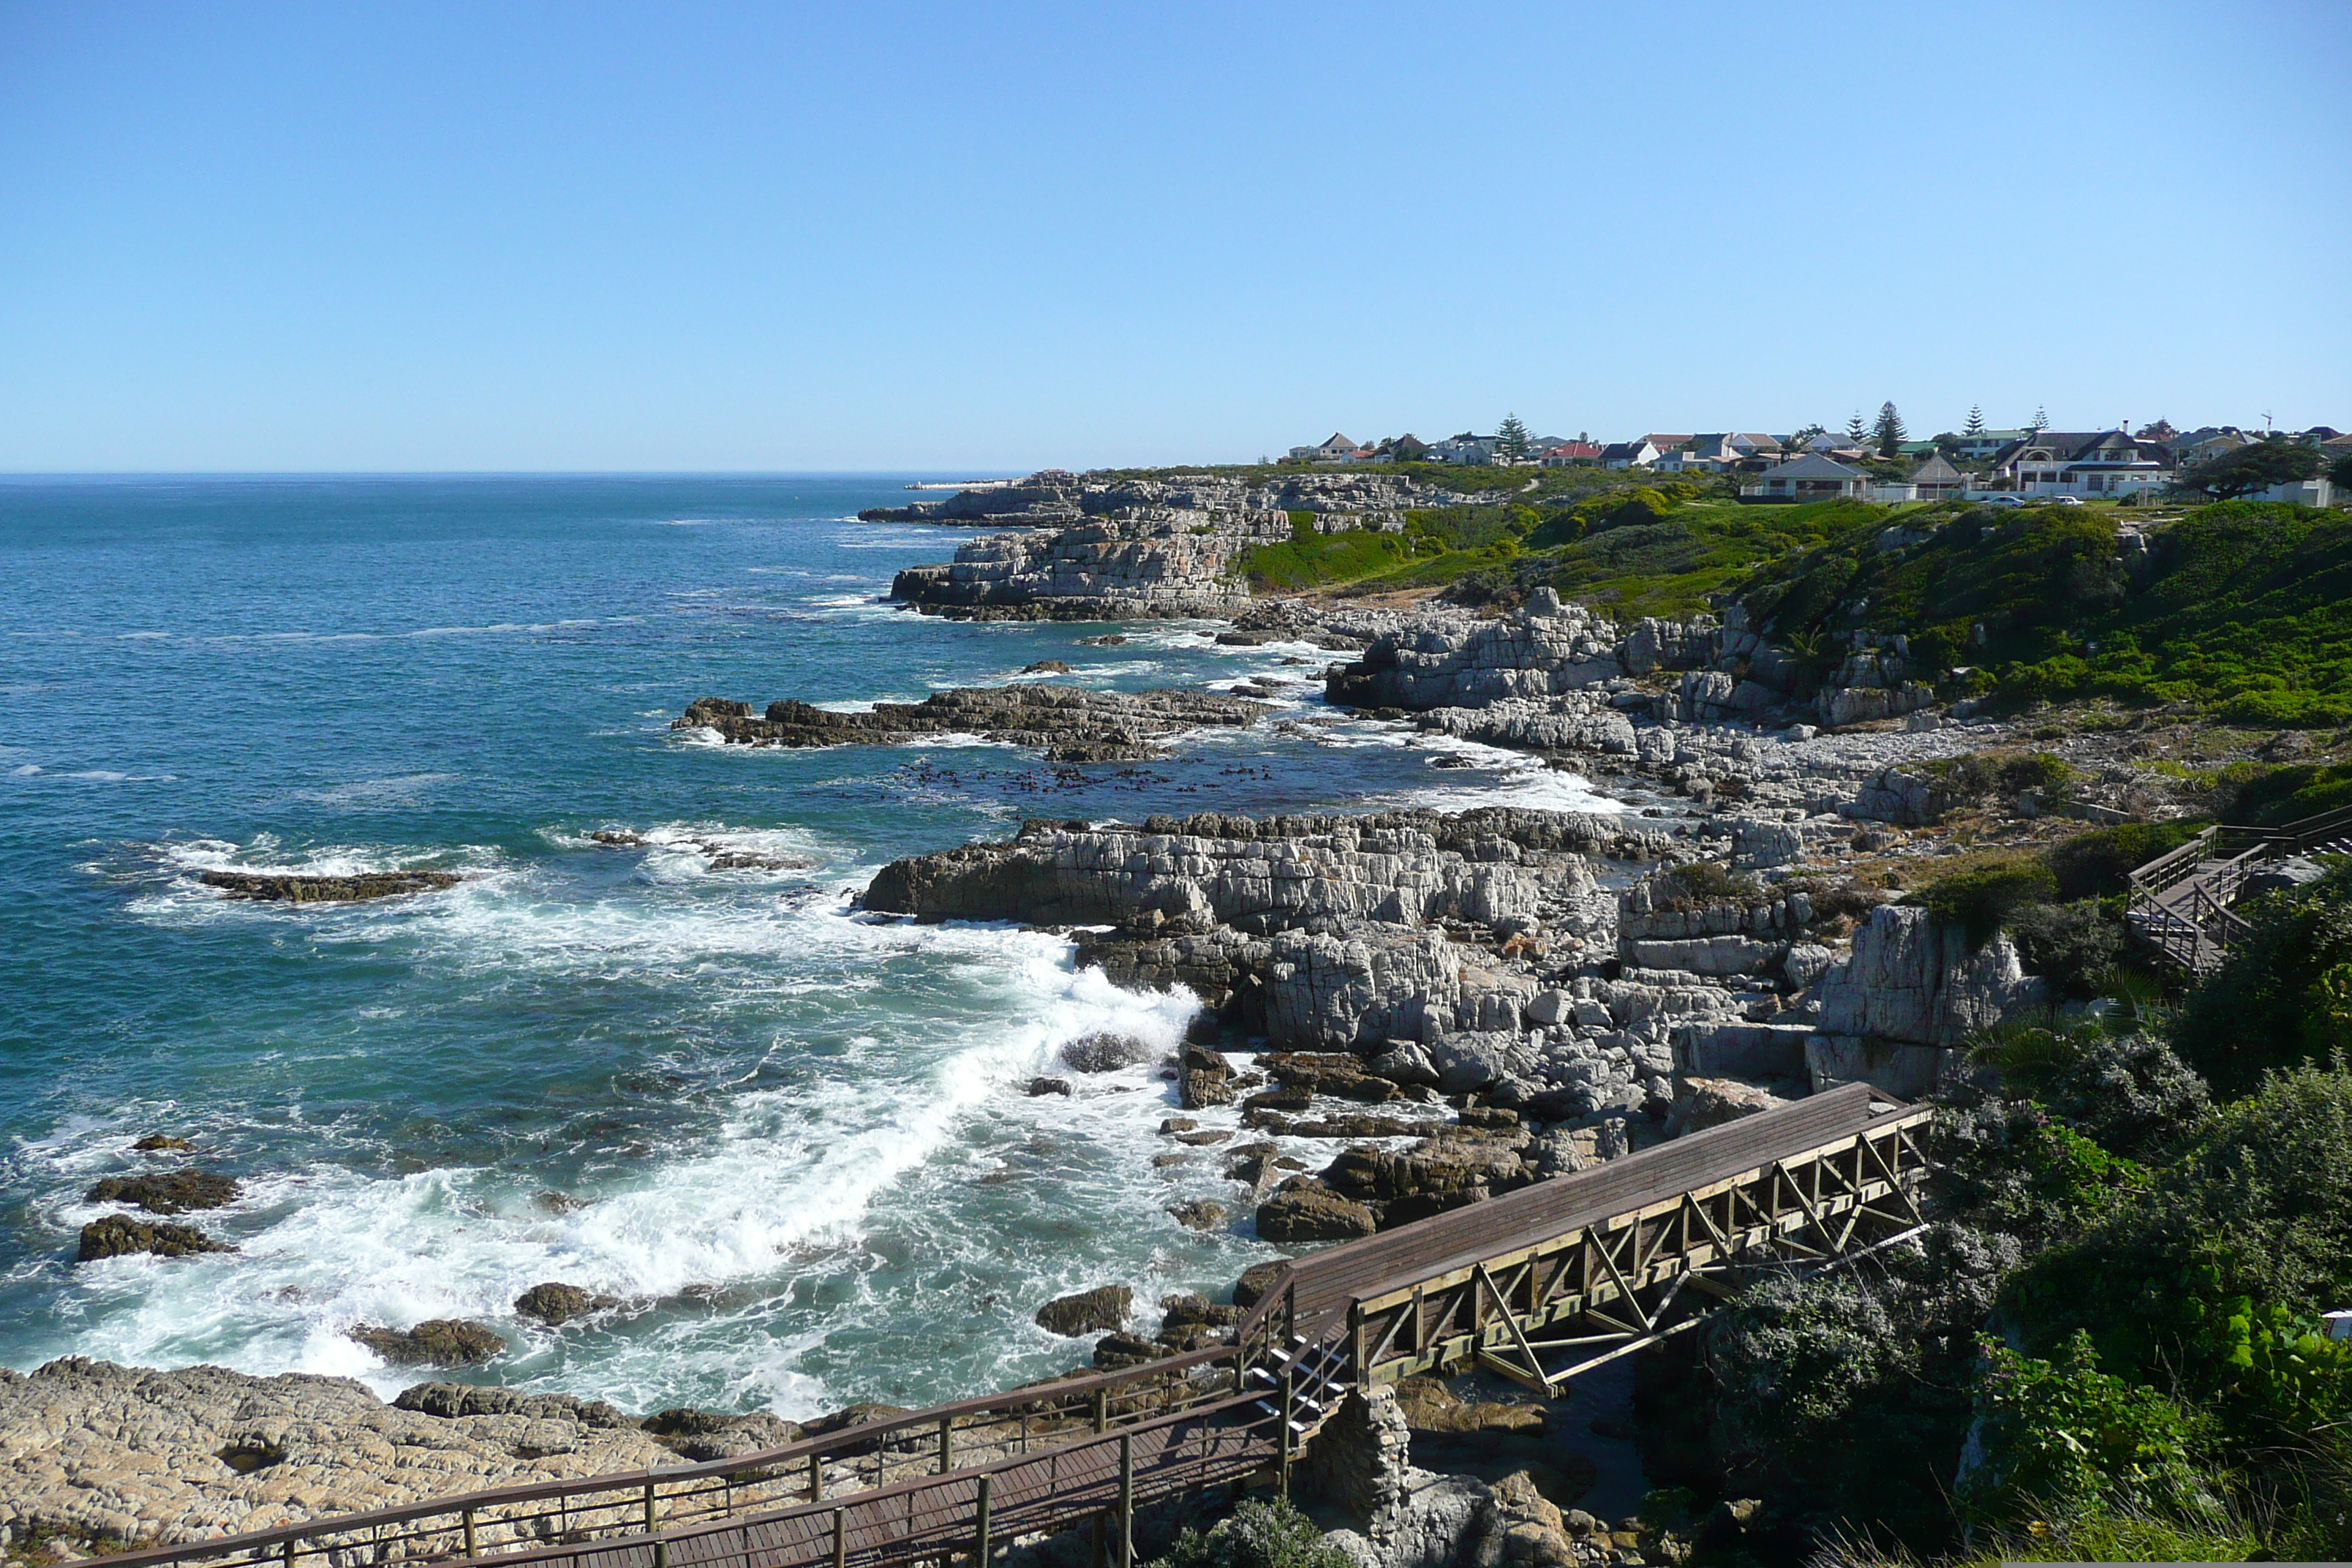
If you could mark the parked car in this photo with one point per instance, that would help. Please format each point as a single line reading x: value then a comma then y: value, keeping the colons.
x: 2065, y: 501
x: 2007, y: 501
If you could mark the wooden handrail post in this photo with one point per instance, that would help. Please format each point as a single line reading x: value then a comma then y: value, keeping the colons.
x: 1102, y: 1410
x: 649, y: 1508
x: 1289, y: 1399
x: 1126, y: 1500
x: 841, y: 1538
x: 468, y: 1515
x: 947, y: 1443
x: 979, y: 1533
x: 817, y: 1478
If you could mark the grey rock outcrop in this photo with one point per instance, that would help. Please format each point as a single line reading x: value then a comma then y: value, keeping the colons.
x: 1915, y: 980
x: 437, y: 1342
x: 101, y: 1455
x: 1072, y: 723
x: 166, y: 1192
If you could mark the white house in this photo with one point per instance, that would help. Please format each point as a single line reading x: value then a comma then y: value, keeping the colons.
x: 1338, y: 449
x: 1639, y: 454
x: 1807, y: 476
x: 2081, y: 463
x: 1467, y: 448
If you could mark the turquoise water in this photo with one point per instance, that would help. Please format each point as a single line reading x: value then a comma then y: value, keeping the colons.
x: 795, y: 1141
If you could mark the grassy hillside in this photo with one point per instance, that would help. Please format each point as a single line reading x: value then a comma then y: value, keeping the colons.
x: 2242, y: 610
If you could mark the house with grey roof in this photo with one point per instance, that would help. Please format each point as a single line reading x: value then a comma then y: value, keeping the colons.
x: 1806, y: 477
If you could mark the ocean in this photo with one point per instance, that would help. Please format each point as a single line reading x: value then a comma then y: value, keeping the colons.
x: 793, y: 1142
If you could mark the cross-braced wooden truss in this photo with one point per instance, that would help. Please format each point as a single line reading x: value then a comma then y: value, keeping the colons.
x: 1560, y: 1307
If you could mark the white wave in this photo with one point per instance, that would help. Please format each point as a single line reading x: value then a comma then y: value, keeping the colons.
x: 1498, y: 776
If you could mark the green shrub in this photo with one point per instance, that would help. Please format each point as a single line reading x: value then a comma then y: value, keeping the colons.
x: 1311, y: 559
x: 2271, y: 797
x: 1700, y: 883
x: 2126, y: 1093
x: 1256, y: 1535
x: 2177, y: 1285
x: 2098, y: 864
x: 1982, y: 901
x: 2076, y: 946
x: 2062, y: 1437
x: 2285, y: 995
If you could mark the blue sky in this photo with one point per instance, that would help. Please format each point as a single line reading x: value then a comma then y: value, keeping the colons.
x: 689, y: 236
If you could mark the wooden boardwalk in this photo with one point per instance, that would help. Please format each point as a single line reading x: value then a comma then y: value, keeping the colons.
x: 1538, y: 1284
x: 2184, y: 903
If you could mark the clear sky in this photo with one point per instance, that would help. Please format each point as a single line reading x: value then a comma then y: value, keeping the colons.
x: 353, y: 236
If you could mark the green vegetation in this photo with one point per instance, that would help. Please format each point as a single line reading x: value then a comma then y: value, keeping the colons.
x: 1312, y: 560
x: 2108, y: 1342
x: 2284, y: 998
x: 2241, y: 610
x: 2275, y: 459
x: 1256, y: 1535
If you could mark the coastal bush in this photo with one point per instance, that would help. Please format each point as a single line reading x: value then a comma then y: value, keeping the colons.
x: 1982, y: 899
x: 2284, y: 997
x: 2076, y: 946
x: 2098, y: 864
x: 2271, y: 797
x: 2206, y: 1281
x: 2242, y: 609
x: 2130, y: 1093
x: 1703, y: 882
x: 1256, y: 1535
x: 2062, y: 1436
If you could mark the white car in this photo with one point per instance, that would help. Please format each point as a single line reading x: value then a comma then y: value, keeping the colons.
x: 2065, y: 501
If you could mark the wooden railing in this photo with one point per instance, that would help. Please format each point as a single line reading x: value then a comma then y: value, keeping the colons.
x: 1596, y: 1261
x: 875, y: 1456
x: 1603, y: 1290
x: 2184, y: 901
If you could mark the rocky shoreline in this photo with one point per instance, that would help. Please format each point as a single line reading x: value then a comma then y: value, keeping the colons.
x: 1455, y: 1004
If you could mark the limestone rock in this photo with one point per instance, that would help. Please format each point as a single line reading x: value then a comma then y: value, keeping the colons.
x: 103, y: 1456
x: 1073, y: 723
x: 1915, y: 979
x: 555, y: 1303
x: 1200, y: 1214
x: 1704, y: 1103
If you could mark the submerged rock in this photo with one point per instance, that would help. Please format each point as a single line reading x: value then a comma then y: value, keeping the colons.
x: 120, y: 1235
x: 1200, y: 1213
x: 328, y: 890
x: 555, y: 1303
x: 1086, y: 1311
x: 437, y: 1342
x: 166, y: 1192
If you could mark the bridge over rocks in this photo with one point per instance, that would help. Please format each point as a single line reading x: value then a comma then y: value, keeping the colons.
x: 1540, y: 1285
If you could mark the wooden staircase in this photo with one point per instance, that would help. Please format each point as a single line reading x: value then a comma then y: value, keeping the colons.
x: 2183, y: 903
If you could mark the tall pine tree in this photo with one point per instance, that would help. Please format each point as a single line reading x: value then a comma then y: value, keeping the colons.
x: 1511, y: 438
x: 1888, y: 430
x: 1856, y: 432
x: 2040, y: 421
x: 1975, y: 425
